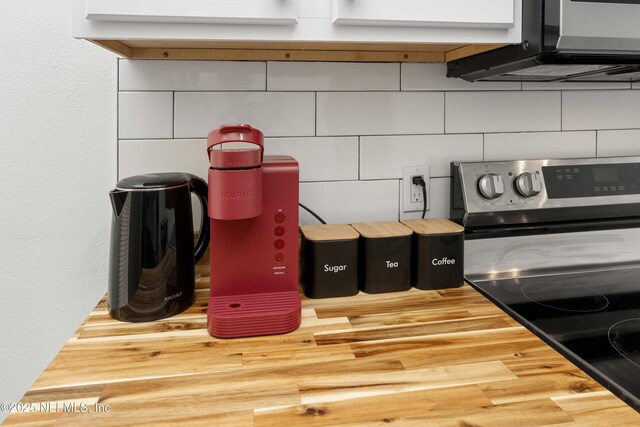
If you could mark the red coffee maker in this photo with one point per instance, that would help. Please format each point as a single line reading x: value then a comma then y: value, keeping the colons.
x: 253, y: 207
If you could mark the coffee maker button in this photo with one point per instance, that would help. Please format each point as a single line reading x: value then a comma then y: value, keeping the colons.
x: 279, y: 231
x: 279, y: 257
x: 279, y: 218
x: 278, y: 244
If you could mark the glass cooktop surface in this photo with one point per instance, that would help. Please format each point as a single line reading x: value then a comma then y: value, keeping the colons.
x: 592, y: 318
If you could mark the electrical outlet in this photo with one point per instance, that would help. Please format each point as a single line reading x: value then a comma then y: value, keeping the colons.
x: 417, y: 196
x: 412, y: 193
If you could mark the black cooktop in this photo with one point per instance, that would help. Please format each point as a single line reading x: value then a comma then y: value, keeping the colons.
x: 592, y: 318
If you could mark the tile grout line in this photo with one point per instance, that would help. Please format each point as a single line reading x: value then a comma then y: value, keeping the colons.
x: 561, y: 98
x: 399, y: 204
x: 340, y: 181
x: 401, y: 135
x: 444, y: 112
x: 359, y: 154
x: 173, y: 113
x: 266, y: 76
x: 118, y: 120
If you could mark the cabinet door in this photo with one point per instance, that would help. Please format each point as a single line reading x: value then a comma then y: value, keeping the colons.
x: 421, y: 13
x: 269, y: 12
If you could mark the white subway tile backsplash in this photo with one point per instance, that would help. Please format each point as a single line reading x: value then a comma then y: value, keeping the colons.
x: 327, y: 76
x: 137, y: 157
x: 427, y: 76
x: 536, y: 145
x: 472, y: 112
x: 192, y: 75
x: 145, y: 115
x: 613, y: 143
x: 438, y: 196
x: 350, y: 201
x: 600, y: 109
x: 274, y: 113
x: 383, y: 157
x: 354, y: 126
x: 379, y: 113
x: 320, y: 159
x: 575, y: 85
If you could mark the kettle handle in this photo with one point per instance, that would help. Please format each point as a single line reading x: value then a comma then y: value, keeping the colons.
x: 199, y: 187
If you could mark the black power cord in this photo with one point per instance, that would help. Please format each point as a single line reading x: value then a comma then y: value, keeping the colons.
x: 312, y: 213
x: 419, y: 180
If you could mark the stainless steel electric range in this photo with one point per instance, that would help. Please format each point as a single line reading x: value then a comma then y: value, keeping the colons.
x: 556, y: 244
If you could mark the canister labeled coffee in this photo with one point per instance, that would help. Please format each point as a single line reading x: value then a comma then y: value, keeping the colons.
x: 438, y: 253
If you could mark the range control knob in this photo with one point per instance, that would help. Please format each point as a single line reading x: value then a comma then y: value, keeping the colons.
x: 491, y: 186
x: 528, y: 184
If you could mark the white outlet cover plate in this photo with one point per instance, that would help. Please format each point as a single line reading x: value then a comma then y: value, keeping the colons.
x: 407, y: 173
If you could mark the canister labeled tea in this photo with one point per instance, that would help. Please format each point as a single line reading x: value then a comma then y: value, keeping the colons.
x: 438, y: 253
x: 385, y: 256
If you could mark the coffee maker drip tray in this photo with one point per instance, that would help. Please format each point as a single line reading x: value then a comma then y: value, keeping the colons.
x: 253, y: 314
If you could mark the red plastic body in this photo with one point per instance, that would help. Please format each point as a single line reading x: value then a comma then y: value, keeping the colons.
x: 254, y: 261
x: 235, y: 176
x: 235, y: 193
x: 234, y: 159
x: 234, y: 133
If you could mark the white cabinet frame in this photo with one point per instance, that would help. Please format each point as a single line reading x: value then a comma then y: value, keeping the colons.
x: 421, y: 13
x: 259, y: 12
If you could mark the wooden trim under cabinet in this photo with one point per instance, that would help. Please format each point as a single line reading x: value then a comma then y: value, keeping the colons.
x: 287, y: 51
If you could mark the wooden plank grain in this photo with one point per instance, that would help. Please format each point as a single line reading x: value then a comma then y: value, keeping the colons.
x: 330, y: 387
x: 458, y: 339
x: 40, y: 418
x: 598, y: 408
x: 411, y: 317
x: 412, y: 330
x: 454, y: 407
x: 441, y: 358
x: 392, y: 409
x: 540, y: 386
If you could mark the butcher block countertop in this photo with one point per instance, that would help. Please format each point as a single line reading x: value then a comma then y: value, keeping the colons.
x: 419, y: 358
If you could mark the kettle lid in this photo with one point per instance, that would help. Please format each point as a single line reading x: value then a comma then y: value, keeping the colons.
x: 153, y: 181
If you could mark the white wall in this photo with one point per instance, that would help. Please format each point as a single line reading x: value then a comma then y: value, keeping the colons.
x: 353, y: 126
x: 57, y: 162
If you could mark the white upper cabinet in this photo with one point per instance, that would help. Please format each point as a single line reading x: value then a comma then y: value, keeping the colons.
x: 398, y: 30
x: 260, y: 12
x: 420, y: 13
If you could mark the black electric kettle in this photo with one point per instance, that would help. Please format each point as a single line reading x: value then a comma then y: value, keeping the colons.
x: 151, y: 271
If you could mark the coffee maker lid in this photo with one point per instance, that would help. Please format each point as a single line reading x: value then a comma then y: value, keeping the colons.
x: 153, y: 181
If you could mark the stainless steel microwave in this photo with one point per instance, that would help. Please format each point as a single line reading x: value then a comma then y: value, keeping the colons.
x: 564, y: 40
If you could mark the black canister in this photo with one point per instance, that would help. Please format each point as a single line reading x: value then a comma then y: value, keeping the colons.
x: 152, y: 260
x: 438, y: 253
x: 385, y: 256
x: 329, y: 260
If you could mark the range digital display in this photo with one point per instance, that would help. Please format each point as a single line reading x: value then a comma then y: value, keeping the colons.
x: 569, y: 181
x: 607, y: 174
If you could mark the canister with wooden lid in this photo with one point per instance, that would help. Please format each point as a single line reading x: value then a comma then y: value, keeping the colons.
x: 385, y: 256
x: 438, y: 253
x: 329, y: 260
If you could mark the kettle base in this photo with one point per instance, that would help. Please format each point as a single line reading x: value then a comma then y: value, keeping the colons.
x: 247, y: 315
x: 136, y: 314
